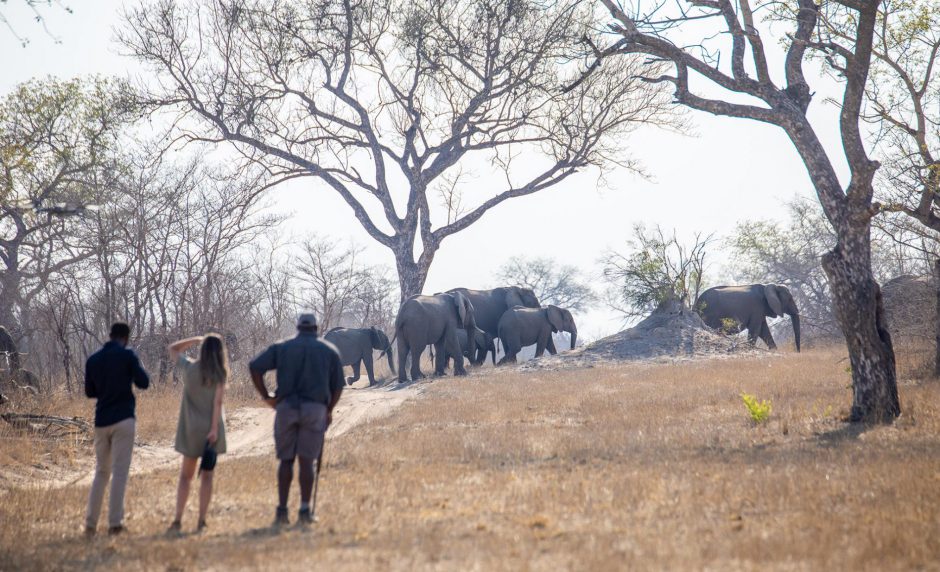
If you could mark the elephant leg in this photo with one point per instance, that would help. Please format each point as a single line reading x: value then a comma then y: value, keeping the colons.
x: 355, y: 376
x: 452, y: 346
x: 440, y: 358
x: 540, y: 345
x: 765, y: 335
x: 550, y: 346
x: 416, y: 363
x: 370, y: 368
x: 402, y: 360
x: 510, y: 349
x: 754, y: 330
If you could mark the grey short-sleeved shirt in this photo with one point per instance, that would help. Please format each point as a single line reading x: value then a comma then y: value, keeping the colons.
x: 196, y: 408
x: 308, y: 369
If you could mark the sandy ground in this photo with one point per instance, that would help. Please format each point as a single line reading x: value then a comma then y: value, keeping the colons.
x: 249, y: 433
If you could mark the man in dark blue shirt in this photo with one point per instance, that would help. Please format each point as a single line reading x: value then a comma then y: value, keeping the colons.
x: 109, y: 374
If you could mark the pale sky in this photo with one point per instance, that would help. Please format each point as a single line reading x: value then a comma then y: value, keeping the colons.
x: 732, y: 170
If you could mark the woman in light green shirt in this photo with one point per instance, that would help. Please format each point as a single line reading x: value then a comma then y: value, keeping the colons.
x: 201, y: 421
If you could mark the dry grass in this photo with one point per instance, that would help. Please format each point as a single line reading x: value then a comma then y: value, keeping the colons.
x: 22, y: 454
x: 621, y: 467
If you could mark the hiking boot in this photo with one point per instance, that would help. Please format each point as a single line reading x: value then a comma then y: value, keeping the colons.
x: 202, y: 526
x: 305, y: 516
x: 280, y: 517
x: 116, y: 530
x: 90, y: 532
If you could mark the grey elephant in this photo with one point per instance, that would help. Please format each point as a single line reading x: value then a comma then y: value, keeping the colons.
x: 484, y: 343
x: 355, y: 347
x: 490, y: 305
x: 732, y: 309
x: 8, y: 348
x: 11, y: 368
x: 520, y: 327
x: 433, y: 320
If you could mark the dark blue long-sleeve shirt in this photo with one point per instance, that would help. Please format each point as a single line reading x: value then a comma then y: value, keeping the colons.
x: 109, y: 374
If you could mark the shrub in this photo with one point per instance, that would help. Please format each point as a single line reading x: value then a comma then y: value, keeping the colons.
x: 759, y: 410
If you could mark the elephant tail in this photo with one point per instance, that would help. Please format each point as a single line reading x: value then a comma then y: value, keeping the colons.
x: 388, y: 350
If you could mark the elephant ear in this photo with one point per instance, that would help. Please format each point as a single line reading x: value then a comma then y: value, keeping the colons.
x: 461, y: 302
x: 513, y: 298
x: 555, y: 317
x: 773, y: 299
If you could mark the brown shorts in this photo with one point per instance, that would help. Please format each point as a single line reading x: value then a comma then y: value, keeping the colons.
x: 299, y: 431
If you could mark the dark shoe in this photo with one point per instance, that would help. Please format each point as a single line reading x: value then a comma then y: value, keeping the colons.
x: 202, y: 526
x: 116, y: 530
x: 305, y: 517
x: 90, y: 532
x: 280, y: 517
x: 176, y: 529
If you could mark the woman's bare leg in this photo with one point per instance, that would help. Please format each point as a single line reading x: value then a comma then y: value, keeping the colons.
x: 205, y: 495
x: 187, y: 470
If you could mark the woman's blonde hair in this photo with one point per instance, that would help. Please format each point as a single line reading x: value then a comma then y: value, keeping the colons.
x: 213, y: 360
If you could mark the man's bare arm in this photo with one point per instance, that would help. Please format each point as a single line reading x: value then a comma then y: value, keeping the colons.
x: 257, y: 378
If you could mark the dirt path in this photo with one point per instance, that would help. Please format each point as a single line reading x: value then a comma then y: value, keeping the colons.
x: 249, y: 433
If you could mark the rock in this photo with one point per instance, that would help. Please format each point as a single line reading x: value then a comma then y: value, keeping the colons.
x: 910, y: 306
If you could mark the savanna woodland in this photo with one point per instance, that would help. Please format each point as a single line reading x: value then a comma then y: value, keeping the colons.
x: 598, y: 284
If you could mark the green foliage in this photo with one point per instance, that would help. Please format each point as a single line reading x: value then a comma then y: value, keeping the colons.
x: 730, y: 325
x: 56, y: 137
x: 758, y: 410
x: 656, y: 268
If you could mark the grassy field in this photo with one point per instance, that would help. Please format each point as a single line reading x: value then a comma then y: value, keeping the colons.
x: 633, y: 466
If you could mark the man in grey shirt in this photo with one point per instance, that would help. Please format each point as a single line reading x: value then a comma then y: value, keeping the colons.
x: 309, y: 383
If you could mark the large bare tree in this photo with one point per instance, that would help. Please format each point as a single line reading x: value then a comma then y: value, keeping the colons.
x: 382, y: 102
x: 720, y: 65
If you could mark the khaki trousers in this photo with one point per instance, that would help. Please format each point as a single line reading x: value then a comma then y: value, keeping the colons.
x: 113, y: 447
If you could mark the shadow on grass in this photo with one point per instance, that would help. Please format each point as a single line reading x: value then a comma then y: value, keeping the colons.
x: 844, y: 434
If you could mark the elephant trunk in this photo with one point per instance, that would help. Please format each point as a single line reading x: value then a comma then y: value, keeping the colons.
x: 795, y: 319
x: 388, y: 353
x: 574, y: 336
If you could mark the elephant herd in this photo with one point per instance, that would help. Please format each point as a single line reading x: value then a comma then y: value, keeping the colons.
x: 458, y: 323
x: 467, y: 323
x: 463, y: 323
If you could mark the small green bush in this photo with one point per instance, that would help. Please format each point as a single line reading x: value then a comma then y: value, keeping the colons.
x: 759, y: 410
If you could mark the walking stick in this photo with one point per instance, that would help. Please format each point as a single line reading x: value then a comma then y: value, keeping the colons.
x: 316, y: 483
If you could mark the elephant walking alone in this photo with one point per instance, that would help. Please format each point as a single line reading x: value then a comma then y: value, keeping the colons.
x: 520, y: 327
x: 355, y: 347
x: 433, y: 320
x: 731, y: 309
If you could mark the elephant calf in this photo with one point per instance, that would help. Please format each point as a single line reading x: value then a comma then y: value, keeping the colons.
x: 520, y: 327
x: 355, y: 346
x: 484, y: 343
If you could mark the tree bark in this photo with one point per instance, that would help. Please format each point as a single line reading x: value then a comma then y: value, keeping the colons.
x: 936, y: 324
x: 411, y: 275
x: 859, y: 309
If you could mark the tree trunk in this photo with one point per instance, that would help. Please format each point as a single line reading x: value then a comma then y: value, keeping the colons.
x: 859, y: 309
x: 411, y: 275
x: 936, y: 322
